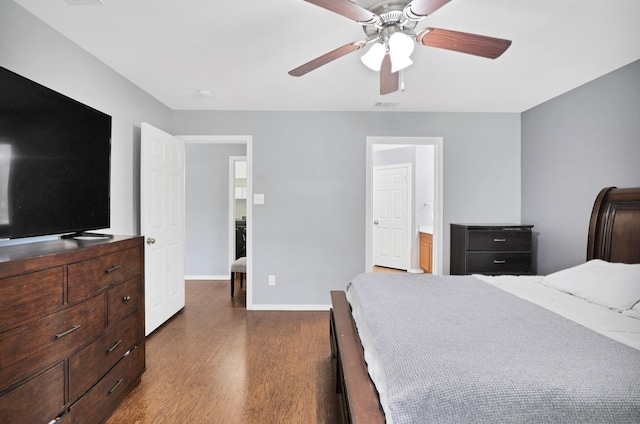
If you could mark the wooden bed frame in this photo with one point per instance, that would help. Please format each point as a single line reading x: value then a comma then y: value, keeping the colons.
x: 614, y: 236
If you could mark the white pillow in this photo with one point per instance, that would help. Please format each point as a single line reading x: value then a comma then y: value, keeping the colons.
x: 612, y: 285
x: 633, y: 312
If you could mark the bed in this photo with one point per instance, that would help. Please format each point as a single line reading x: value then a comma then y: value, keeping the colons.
x: 544, y: 357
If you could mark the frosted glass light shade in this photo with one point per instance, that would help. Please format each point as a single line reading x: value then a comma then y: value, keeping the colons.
x: 400, y: 48
x: 399, y: 62
x: 373, y: 58
x: 401, y: 44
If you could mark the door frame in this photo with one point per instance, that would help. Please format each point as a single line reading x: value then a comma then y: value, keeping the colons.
x: 248, y: 141
x: 409, y: 215
x: 438, y: 207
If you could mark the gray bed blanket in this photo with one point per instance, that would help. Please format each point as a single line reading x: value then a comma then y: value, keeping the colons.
x: 458, y: 350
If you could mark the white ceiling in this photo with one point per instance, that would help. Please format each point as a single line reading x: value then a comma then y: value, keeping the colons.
x: 242, y: 50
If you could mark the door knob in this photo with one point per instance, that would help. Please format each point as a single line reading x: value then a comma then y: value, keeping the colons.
x: 375, y: 222
x: 151, y: 240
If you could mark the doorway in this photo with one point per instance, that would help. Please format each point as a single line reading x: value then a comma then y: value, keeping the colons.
x: 247, y: 141
x: 238, y: 206
x: 432, y: 207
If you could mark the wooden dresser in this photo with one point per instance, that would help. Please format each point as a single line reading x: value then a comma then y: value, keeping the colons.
x: 491, y: 249
x: 71, y: 329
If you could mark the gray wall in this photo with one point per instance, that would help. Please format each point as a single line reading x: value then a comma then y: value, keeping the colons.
x: 207, y: 211
x: 34, y: 50
x: 573, y: 146
x: 310, y: 233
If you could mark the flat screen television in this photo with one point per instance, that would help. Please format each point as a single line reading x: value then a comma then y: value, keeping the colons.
x: 54, y: 162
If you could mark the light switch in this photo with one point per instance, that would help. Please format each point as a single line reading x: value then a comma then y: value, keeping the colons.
x: 258, y: 199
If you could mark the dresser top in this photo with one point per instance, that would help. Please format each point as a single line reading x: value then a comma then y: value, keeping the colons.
x: 494, y: 226
x: 59, y: 247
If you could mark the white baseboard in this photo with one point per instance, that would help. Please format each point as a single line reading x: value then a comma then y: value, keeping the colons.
x: 267, y: 307
x: 207, y: 277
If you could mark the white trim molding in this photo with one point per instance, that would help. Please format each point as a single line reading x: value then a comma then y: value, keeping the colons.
x: 207, y: 277
x: 269, y: 307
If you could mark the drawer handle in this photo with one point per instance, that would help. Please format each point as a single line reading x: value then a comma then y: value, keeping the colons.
x: 58, y: 418
x: 112, y: 348
x: 114, y: 269
x: 69, y: 331
x: 125, y: 299
x: 114, y: 388
x: 499, y: 240
x: 499, y: 261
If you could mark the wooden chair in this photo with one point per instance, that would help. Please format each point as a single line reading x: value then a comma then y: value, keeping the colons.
x: 239, y: 266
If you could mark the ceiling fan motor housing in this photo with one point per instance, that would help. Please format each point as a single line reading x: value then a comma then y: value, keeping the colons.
x: 390, y: 22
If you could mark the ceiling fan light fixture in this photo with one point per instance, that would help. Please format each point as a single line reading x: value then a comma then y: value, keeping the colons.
x: 401, y: 44
x: 372, y: 59
x: 400, y: 48
x: 398, y: 63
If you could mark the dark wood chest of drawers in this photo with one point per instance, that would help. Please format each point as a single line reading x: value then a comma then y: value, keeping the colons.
x: 491, y: 249
x: 71, y: 329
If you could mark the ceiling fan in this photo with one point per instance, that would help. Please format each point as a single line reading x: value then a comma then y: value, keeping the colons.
x: 389, y: 26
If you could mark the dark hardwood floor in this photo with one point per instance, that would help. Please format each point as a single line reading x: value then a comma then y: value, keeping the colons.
x: 216, y: 362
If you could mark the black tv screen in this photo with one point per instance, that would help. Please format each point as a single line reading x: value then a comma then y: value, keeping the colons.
x: 54, y: 161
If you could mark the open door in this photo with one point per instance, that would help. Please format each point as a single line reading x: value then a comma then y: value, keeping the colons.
x: 162, y: 166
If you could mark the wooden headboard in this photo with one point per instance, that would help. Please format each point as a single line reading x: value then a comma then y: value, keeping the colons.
x: 614, y: 230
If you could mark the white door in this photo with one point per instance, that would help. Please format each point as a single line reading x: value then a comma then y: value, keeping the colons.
x: 162, y: 224
x: 391, y: 216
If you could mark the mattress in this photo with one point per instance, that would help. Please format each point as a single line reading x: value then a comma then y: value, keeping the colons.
x: 462, y: 349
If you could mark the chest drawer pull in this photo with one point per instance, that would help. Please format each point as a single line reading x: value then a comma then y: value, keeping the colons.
x: 499, y: 261
x: 499, y: 240
x: 112, y: 348
x: 59, y: 418
x: 114, y: 269
x: 125, y: 299
x: 114, y: 388
x: 69, y: 331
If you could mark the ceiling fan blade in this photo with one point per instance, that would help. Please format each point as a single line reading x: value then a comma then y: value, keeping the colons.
x: 478, y: 45
x: 326, y: 58
x: 389, y: 81
x: 420, y: 8
x: 347, y: 9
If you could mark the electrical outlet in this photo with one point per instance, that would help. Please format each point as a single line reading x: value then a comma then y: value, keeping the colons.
x: 272, y: 280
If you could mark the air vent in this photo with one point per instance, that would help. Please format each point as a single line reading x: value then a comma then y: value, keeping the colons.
x: 386, y: 104
x: 85, y: 2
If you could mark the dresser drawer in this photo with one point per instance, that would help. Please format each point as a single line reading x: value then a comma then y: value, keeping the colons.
x: 90, y: 276
x: 24, y: 296
x: 499, y: 240
x: 498, y: 262
x: 124, y: 299
x: 35, y: 345
x: 88, y: 365
x: 37, y: 401
x: 102, y: 399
